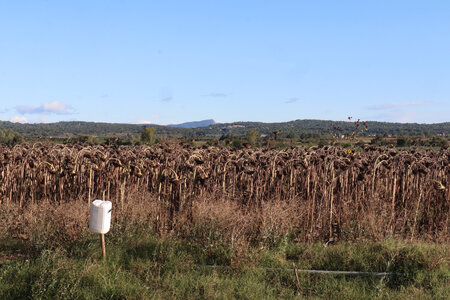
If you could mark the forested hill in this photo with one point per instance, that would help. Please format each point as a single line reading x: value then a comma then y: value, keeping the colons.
x: 297, y: 127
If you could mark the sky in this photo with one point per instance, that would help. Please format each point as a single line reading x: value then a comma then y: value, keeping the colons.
x: 167, y: 62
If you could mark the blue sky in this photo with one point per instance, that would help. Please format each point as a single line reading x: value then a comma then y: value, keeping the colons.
x: 175, y: 61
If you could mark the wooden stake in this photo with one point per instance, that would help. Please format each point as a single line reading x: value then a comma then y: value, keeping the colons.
x: 102, y: 240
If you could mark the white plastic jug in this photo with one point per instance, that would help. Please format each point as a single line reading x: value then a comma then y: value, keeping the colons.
x: 100, y: 218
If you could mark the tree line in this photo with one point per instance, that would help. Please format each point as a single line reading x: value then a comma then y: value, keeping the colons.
x: 297, y: 128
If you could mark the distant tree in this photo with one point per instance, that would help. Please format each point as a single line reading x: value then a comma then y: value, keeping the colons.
x: 236, y: 142
x: 323, y: 141
x: 225, y: 137
x: 10, y: 137
x: 111, y: 140
x: 126, y: 140
x: 275, y: 134
x: 252, y: 137
x: 438, y: 141
x: 85, y: 139
x: 148, y: 135
x: 212, y: 142
x: 402, y: 141
x: 291, y: 135
x: 378, y: 140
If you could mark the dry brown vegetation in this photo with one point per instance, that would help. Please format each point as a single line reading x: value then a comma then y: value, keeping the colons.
x: 247, y: 196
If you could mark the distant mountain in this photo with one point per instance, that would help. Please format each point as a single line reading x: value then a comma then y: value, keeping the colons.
x: 195, y: 124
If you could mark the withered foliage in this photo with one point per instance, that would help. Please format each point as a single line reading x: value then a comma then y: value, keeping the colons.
x: 325, y: 193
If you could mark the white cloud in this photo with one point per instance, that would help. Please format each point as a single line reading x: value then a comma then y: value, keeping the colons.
x: 144, y: 122
x: 153, y: 117
x: 166, y: 95
x: 55, y: 107
x: 19, y: 119
x: 167, y: 99
x: 291, y: 100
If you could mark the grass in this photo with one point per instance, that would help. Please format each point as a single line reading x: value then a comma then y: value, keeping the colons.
x: 50, y: 254
x: 140, y: 265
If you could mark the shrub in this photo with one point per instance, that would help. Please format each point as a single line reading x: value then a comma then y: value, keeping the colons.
x: 10, y: 137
